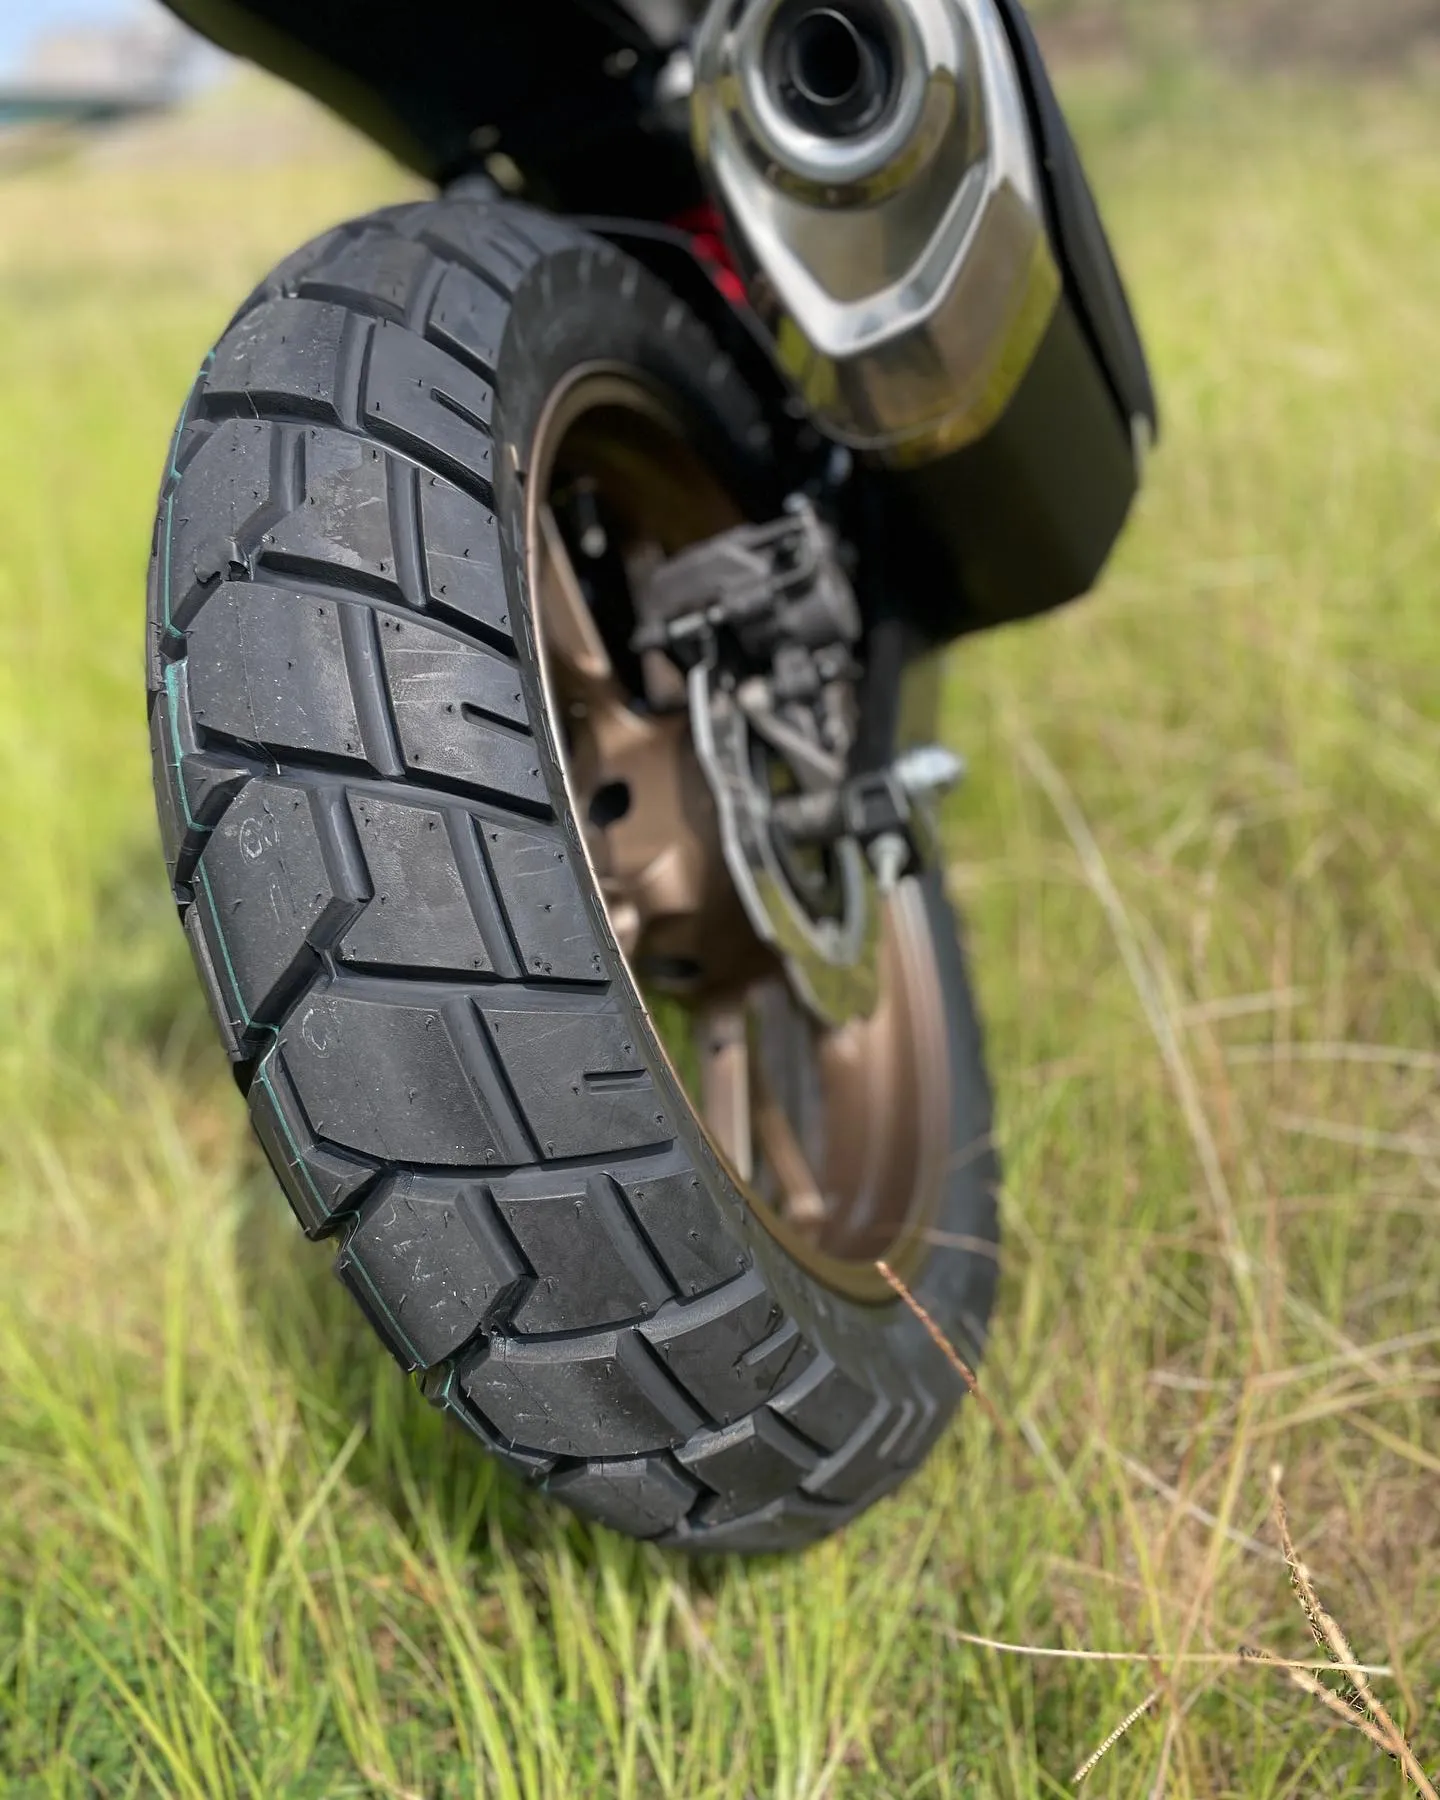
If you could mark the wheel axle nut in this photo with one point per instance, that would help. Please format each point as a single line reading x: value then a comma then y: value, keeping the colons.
x: 889, y: 858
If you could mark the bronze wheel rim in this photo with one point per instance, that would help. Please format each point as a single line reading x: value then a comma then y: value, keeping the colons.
x: 838, y: 1139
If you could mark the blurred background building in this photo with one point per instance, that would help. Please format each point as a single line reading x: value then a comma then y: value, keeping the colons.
x: 92, y: 62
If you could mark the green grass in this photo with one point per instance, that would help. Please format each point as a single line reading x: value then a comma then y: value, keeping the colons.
x: 1200, y: 852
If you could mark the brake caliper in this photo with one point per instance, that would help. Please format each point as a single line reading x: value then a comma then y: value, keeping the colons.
x: 763, y: 625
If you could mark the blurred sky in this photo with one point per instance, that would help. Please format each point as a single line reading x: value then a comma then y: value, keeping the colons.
x: 22, y: 21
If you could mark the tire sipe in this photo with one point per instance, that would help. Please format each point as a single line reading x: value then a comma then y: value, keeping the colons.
x: 362, y: 789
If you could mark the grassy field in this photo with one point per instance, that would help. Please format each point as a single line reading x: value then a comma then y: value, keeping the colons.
x: 1200, y: 852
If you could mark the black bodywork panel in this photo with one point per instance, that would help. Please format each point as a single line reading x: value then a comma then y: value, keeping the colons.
x: 1020, y: 521
x: 1025, y: 519
x: 1092, y: 281
x: 1013, y: 525
x: 561, y: 86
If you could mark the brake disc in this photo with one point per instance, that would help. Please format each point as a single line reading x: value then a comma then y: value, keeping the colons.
x: 831, y: 960
x: 764, y: 623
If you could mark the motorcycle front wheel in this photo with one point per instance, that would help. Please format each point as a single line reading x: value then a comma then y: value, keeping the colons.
x: 438, y: 868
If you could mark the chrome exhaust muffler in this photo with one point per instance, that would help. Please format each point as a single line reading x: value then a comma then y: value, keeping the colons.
x: 909, y: 216
x: 874, y: 157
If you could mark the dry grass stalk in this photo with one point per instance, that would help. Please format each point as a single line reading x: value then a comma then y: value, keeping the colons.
x: 1359, y: 1708
x: 1214, y: 1659
x: 1326, y: 1633
x: 938, y: 1337
x: 1092, y: 1762
x: 1162, y: 1014
x: 1200, y: 1514
x: 1317, y: 1690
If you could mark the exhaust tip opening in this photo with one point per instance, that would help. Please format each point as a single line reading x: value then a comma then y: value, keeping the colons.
x: 825, y: 59
x: 832, y: 69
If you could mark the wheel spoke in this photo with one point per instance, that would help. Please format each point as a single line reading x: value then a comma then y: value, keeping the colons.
x: 742, y: 1109
x: 800, y: 1198
x: 724, y: 1037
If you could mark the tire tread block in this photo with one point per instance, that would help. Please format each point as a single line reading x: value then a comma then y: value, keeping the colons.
x: 460, y: 537
x: 280, y: 901
x: 745, y: 1464
x: 377, y: 271
x: 468, y: 318
x: 595, y: 1395
x: 587, y: 1274
x: 429, y: 1263
x: 210, y: 981
x: 857, y: 1467
x: 458, y: 711
x: 824, y: 1404
x: 419, y: 916
x: 535, y: 877
x: 577, y: 1077
x: 441, y: 1387
x: 342, y: 521
x: 684, y: 1226
x: 404, y: 1081
x: 210, y: 511
x: 192, y: 786
x: 286, y: 353
x: 268, y: 667
x: 486, y: 240
x: 709, y: 1347
x: 786, y: 1524
x: 323, y: 1184
x: 430, y: 406
x: 643, y: 1496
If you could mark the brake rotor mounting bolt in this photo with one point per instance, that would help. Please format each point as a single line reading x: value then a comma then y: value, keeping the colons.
x: 889, y: 858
